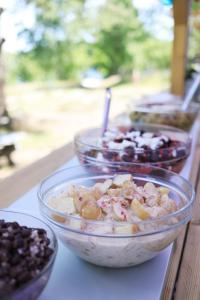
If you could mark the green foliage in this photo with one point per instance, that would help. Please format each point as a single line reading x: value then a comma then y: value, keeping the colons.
x: 72, y: 36
x: 115, y: 36
x: 195, y: 7
x: 157, y: 55
x: 21, y: 67
x: 113, y: 50
x: 194, y: 44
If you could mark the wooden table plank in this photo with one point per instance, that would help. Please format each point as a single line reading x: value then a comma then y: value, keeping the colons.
x: 178, y: 247
x: 173, y: 267
x: 188, y: 286
x: 23, y: 180
x: 188, y: 281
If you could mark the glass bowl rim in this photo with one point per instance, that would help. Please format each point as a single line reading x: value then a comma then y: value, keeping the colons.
x: 176, y: 108
x: 83, y: 134
x: 100, y: 222
x: 53, y: 256
x: 132, y: 163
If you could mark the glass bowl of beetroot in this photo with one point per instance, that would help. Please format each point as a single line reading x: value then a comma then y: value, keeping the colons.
x: 28, y: 250
x: 133, y: 148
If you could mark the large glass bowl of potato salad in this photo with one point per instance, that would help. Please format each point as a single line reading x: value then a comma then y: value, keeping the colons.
x: 117, y: 219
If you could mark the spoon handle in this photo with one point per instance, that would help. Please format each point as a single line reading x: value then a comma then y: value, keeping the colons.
x: 106, y: 110
x: 191, y: 92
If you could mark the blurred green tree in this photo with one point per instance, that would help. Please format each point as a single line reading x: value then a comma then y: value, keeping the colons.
x: 194, y: 37
x: 71, y: 36
x: 119, y: 30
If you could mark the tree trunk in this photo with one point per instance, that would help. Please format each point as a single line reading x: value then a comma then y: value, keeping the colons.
x: 2, y: 83
x: 2, y: 75
x: 5, y: 119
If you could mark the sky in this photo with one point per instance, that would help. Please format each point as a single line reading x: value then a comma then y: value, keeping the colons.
x: 10, y: 20
x: 9, y: 25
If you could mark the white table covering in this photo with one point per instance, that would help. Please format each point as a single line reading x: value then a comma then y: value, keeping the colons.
x: 74, y: 279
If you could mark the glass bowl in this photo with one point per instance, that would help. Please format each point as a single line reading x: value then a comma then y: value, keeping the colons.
x: 173, y: 157
x: 109, y: 244
x: 32, y: 289
x: 164, y: 114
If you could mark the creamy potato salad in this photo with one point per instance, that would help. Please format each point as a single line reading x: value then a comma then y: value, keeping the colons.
x: 105, y: 222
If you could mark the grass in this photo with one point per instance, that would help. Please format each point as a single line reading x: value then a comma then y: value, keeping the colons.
x: 52, y: 113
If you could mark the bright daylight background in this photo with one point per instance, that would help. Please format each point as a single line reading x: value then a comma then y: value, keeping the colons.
x: 52, y: 45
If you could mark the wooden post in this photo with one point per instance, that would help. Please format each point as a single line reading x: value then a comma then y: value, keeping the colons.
x: 181, y: 11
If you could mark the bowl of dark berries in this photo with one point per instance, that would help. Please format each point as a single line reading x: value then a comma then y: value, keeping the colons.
x: 28, y: 250
x: 133, y: 148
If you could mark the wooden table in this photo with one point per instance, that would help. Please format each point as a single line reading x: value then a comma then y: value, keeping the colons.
x: 183, y: 276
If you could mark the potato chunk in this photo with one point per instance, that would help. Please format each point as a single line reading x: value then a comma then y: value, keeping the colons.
x: 163, y: 190
x: 119, y: 180
x: 139, y: 210
x: 62, y: 204
x: 127, y: 229
x: 103, y: 187
x: 91, y: 211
